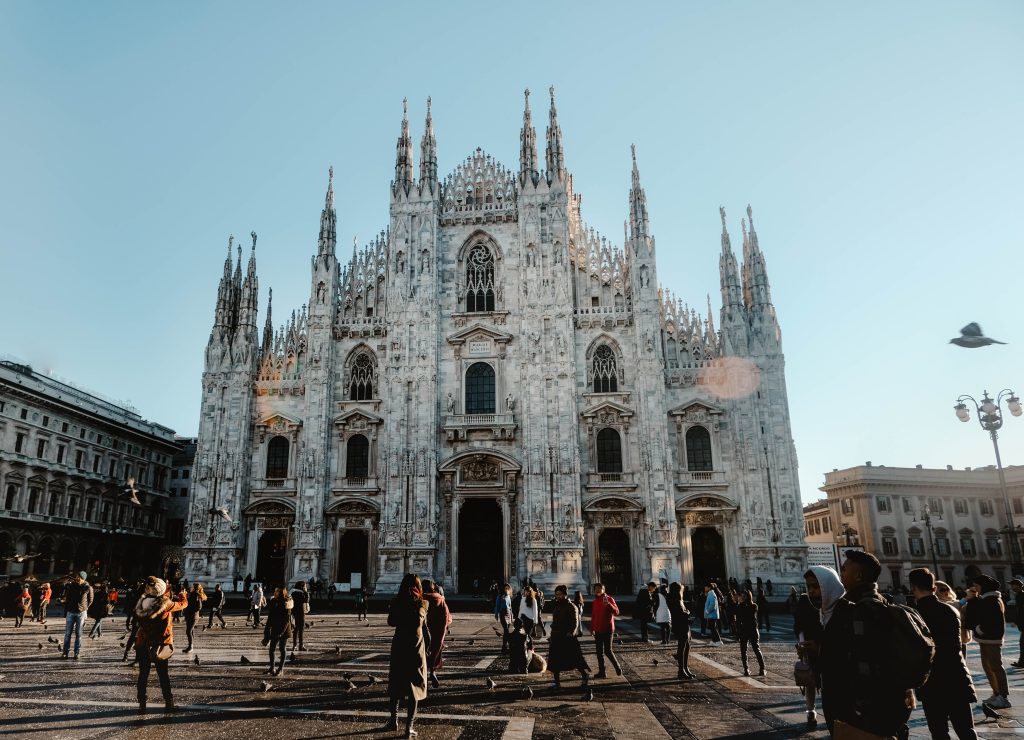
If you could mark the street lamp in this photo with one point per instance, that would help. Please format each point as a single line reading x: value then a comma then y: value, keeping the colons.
x: 990, y: 417
x: 926, y: 516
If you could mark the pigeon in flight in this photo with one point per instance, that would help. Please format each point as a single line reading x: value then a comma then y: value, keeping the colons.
x: 222, y: 513
x: 131, y: 493
x: 972, y: 337
x: 21, y: 558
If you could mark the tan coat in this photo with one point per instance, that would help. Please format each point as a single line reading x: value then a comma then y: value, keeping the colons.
x: 407, y: 672
x: 154, y: 615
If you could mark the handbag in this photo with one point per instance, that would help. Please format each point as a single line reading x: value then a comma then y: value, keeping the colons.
x: 305, y: 608
x: 803, y: 674
x: 164, y: 652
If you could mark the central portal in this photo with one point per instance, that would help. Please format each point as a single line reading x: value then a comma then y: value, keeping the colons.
x: 708, y: 557
x: 273, y: 546
x: 481, y: 537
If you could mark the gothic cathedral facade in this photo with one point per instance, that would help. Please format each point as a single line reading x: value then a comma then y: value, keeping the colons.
x: 491, y: 390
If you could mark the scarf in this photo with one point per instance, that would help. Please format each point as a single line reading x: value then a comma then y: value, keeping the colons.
x: 831, y: 590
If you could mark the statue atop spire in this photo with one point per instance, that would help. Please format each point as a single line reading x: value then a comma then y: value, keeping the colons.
x: 428, y: 155
x: 555, y: 155
x: 403, y: 154
x: 528, y: 146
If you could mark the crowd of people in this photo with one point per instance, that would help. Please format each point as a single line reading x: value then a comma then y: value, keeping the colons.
x: 868, y: 656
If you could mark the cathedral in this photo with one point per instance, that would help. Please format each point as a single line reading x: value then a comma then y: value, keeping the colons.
x: 491, y: 390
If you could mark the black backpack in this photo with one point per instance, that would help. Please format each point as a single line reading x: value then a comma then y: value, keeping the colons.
x: 908, y: 645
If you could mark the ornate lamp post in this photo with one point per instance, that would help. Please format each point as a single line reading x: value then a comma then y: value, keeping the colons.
x: 926, y: 517
x: 990, y: 417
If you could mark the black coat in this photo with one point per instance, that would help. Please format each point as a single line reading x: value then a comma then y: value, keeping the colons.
x: 680, y: 617
x: 746, y: 620
x: 949, y: 680
x: 807, y: 619
x: 278, y: 615
x: 643, y: 609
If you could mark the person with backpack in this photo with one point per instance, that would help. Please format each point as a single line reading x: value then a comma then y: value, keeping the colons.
x: 985, y: 617
x: 948, y: 694
x: 872, y: 654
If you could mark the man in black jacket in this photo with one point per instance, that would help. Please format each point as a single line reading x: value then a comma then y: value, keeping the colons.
x: 77, y: 600
x: 948, y: 693
x: 216, y: 604
x: 643, y: 609
x: 857, y: 667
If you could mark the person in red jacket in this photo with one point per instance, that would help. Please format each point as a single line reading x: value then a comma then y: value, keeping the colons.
x: 602, y: 626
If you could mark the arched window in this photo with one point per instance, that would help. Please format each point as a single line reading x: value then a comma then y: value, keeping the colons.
x: 671, y: 354
x: 480, y: 389
x: 277, y: 458
x: 361, y: 383
x: 606, y: 379
x: 357, y: 457
x: 479, y: 279
x: 698, y: 449
x: 33, y: 500
x: 609, y: 451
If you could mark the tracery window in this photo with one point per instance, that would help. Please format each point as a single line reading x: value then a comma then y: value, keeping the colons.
x: 609, y: 451
x: 277, y: 458
x: 361, y: 380
x: 479, y: 279
x: 357, y: 457
x: 480, y: 389
x: 606, y: 379
x: 698, y: 449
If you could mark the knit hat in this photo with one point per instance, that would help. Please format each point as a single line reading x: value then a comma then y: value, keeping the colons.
x: 83, y: 575
x: 156, y: 586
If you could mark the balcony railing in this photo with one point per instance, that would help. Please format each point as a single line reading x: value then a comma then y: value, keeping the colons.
x: 502, y: 426
x: 282, y: 485
x: 700, y: 478
x: 611, y: 480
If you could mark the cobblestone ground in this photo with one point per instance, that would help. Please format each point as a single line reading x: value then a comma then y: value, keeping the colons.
x: 49, y: 698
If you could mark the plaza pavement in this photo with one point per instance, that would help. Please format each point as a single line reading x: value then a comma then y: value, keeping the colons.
x: 45, y: 697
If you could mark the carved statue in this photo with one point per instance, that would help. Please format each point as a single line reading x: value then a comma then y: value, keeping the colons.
x: 510, y: 402
x: 449, y: 403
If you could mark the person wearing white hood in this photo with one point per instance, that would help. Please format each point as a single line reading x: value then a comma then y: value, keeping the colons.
x: 811, y: 614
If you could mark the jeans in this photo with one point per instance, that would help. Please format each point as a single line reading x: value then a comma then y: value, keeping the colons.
x: 218, y: 614
x: 992, y: 663
x: 147, y: 657
x: 940, y: 714
x: 299, y: 628
x: 73, y: 621
x: 97, y: 627
x: 603, y: 644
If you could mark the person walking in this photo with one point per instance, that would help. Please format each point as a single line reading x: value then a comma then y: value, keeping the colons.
x: 503, y: 614
x: 407, y: 669
x: 45, y: 593
x: 133, y: 598
x: 360, y: 602
x: 256, y: 602
x: 154, y: 643
x: 984, y: 616
x: 300, y: 599
x: 1017, y: 617
x: 602, y: 626
x: 643, y: 609
x: 278, y: 627
x: 528, y: 610
x: 948, y: 693
x: 23, y: 606
x: 747, y: 631
x: 439, y: 618
x: 100, y: 609
x: 216, y: 602
x: 194, y: 607
x: 712, y: 614
x: 662, y: 614
x: 763, y: 618
x: 699, y: 604
x: 564, y: 647
x: 78, y: 597
x: 680, y: 628
x: 811, y: 613
x: 248, y: 584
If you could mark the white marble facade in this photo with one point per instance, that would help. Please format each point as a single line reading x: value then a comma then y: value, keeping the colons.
x: 491, y: 389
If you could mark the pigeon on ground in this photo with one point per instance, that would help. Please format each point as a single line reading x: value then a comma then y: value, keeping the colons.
x: 373, y: 680
x: 528, y: 693
x: 196, y: 660
x: 491, y: 684
x: 589, y: 696
x: 972, y: 337
x: 990, y: 712
x: 337, y: 649
x: 655, y: 661
x: 50, y: 639
x: 347, y: 686
x: 245, y: 661
x: 496, y: 631
x: 470, y: 642
x: 40, y: 646
x: 265, y: 685
x: 45, y: 627
x: 291, y: 657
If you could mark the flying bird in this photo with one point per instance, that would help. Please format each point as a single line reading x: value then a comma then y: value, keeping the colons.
x: 491, y: 684
x: 131, y: 493
x: 22, y: 558
x: 221, y: 512
x: 972, y: 337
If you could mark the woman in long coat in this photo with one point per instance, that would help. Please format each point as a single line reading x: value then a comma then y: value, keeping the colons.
x: 278, y: 628
x: 680, y: 628
x: 407, y: 671
x: 154, y: 641
x: 565, y: 653
x: 438, y: 620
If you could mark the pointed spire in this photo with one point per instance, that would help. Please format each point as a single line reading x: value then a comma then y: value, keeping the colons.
x: 428, y: 156
x: 328, y: 220
x: 403, y: 154
x: 268, y: 325
x: 732, y: 294
x: 756, y: 289
x: 711, y: 318
x: 528, y: 146
x: 555, y: 156
x: 639, y: 226
x: 222, y: 314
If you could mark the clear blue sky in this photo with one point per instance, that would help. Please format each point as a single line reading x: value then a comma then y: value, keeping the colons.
x: 881, y: 145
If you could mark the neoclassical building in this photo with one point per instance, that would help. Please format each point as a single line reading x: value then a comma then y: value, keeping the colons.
x: 491, y: 389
